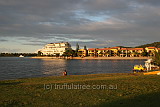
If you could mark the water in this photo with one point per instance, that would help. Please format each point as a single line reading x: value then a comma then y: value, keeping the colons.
x: 15, y: 67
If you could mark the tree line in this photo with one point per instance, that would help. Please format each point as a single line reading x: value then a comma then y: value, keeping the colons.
x: 17, y: 54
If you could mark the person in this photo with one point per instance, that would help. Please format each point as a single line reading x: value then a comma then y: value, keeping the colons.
x: 65, y: 73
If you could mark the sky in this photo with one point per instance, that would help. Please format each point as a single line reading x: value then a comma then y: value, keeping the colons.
x: 27, y: 25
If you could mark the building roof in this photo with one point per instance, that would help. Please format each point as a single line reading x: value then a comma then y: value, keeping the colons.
x: 115, y: 47
x: 92, y: 49
x: 131, y: 48
x: 103, y: 49
x: 138, y: 49
x: 124, y: 48
x: 81, y: 49
x: 151, y: 47
x: 100, y: 49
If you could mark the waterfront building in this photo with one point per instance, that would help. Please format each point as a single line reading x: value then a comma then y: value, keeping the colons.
x: 104, y: 52
x: 124, y: 52
x: 92, y: 52
x: 131, y: 52
x: 82, y: 52
x: 158, y: 49
x: 115, y: 51
x: 55, y: 48
x: 100, y: 52
x: 150, y: 50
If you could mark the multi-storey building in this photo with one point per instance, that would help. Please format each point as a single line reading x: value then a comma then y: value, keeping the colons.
x: 82, y: 52
x: 131, y: 52
x: 150, y: 50
x: 121, y: 52
x: 55, y: 48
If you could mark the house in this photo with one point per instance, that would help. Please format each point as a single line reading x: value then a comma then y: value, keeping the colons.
x: 150, y: 50
x: 92, y: 52
x: 115, y: 51
x: 131, y: 52
x: 82, y: 52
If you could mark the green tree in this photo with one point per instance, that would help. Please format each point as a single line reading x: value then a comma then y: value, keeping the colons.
x: 156, y: 58
x: 39, y: 53
x: 77, y: 47
x: 144, y: 53
x: 69, y: 53
x: 85, y: 47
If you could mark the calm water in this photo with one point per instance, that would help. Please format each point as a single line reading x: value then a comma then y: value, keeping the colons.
x: 13, y: 68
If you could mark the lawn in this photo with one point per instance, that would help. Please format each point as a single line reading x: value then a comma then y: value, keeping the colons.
x: 82, y: 90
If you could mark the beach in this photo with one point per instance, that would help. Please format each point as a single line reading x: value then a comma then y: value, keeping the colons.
x: 94, y: 58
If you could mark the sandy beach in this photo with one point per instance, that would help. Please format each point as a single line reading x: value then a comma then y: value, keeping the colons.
x: 93, y: 58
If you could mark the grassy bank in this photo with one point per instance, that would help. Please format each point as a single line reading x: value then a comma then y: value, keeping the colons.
x: 121, y: 90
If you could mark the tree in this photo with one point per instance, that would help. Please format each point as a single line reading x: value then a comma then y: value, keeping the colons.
x: 85, y: 47
x: 69, y: 53
x: 77, y: 47
x: 39, y: 53
x: 156, y: 58
x: 144, y: 53
x: 136, y: 54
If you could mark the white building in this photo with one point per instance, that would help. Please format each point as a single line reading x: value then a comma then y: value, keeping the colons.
x: 55, y: 48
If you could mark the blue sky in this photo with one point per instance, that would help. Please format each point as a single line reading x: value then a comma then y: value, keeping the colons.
x: 27, y: 25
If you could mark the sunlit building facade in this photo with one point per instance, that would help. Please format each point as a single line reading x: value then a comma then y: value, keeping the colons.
x: 122, y: 52
x: 55, y: 48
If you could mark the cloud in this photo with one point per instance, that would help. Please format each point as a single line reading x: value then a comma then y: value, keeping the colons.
x: 150, y: 2
x: 3, y: 40
x: 89, y: 22
x: 8, y: 50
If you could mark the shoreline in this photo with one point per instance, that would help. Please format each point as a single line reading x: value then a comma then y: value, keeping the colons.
x: 61, y: 76
x: 95, y: 58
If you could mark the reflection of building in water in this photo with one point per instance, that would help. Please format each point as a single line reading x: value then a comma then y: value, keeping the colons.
x: 55, y: 48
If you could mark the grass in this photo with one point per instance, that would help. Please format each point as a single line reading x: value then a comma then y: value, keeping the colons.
x: 132, y: 90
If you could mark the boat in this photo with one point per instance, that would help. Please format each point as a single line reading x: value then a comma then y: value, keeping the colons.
x: 149, y: 66
x: 21, y: 56
x: 139, y: 68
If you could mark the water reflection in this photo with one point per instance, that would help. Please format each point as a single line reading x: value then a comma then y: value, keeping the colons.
x: 53, y: 66
x: 12, y: 68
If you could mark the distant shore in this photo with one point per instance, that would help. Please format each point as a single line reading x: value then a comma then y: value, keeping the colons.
x: 93, y: 58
